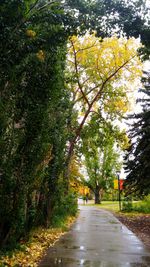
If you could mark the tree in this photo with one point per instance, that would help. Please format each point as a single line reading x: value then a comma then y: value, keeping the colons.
x: 137, y: 158
x: 106, y: 17
x: 100, y: 147
x: 34, y: 105
x: 100, y: 72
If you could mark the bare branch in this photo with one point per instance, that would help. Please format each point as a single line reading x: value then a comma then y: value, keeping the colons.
x: 77, y: 74
x: 48, y: 4
x: 86, y: 48
x: 32, y: 7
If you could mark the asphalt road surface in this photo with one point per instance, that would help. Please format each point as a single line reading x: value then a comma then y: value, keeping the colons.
x: 97, y: 239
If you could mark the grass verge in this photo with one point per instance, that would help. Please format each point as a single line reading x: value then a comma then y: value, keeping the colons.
x: 130, y: 209
x: 108, y: 205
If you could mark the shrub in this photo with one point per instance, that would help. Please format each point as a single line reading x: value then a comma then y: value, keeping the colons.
x: 144, y: 206
x: 127, y: 205
x: 66, y: 206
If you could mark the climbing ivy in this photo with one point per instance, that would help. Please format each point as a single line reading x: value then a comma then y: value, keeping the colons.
x: 34, y: 104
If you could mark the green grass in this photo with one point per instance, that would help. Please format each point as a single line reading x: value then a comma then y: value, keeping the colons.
x: 138, y: 207
x: 109, y: 205
x: 142, y: 206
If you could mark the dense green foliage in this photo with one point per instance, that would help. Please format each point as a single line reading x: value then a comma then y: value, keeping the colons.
x: 35, y: 107
x: 99, y: 142
x: 140, y: 206
x: 137, y: 158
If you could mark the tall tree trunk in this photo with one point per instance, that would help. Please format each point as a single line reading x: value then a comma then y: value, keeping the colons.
x: 49, y: 209
x: 97, y: 195
x: 72, y: 146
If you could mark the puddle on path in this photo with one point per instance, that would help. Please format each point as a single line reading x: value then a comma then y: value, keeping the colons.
x: 68, y: 262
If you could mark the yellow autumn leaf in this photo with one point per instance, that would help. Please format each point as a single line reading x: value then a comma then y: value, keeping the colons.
x: 31, y: 33
x: 33, y: 251
x: 120, y: 105
x: 40, y: 55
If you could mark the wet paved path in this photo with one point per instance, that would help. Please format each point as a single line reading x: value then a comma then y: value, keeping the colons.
x: 97, y: 239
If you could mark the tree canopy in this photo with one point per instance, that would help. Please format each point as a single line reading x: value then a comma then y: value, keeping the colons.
x: 34, y: 104
x: 99, y: 74
x: 137, y: 159
x: 102, y: 161
x: 39, y: 123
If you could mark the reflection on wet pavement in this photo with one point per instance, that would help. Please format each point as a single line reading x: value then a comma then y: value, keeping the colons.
x: 66, y: 262
x: 97, y: 239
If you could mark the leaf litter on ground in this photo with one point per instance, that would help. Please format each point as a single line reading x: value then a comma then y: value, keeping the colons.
x: 32, y: 251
